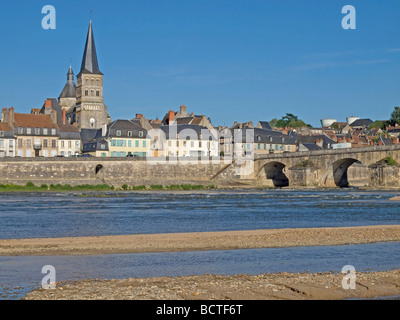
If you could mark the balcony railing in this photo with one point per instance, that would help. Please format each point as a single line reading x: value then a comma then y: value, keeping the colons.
x: 37, y: 146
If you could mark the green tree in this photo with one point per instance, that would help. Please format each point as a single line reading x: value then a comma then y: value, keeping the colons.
x: 395, y: 116
x: 378, y: 125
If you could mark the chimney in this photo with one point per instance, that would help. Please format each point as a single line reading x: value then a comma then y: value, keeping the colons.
x: 103, y: 130
x: 138, y: 115
x: 63, y: 116
x: 183, y: 110
x: 47, y: 103
x: 53, y: 115
x: 171, y: 116
x: 11, y: 117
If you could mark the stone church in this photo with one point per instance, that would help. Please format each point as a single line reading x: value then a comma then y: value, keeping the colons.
x: 83, y: 102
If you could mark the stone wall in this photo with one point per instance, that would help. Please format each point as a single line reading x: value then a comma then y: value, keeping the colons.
x: 76, y: 171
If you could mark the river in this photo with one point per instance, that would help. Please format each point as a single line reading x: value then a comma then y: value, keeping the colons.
x: 33, y: 215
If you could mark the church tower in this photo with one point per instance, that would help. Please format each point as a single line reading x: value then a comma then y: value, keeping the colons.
x: 91, y: 113
x: 67, y: 98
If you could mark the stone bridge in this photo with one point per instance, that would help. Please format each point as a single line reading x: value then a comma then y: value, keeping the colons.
x: 329, y: 168
x: 324, y: 168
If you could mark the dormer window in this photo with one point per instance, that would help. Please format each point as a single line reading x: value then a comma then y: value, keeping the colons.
x: 20, y: 130
x: 140, y: 134
x: 37, y: 131
x: 45, y: 131
x: 28, y: 130
x: 118, y: 133
x: 129, y: 133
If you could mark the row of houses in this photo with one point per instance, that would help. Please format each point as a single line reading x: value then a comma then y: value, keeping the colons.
x: 180, y: 134
x: 45, y: 133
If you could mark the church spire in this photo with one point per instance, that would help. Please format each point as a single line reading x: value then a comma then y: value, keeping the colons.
x: 89, y: 61
x: 69, y: 90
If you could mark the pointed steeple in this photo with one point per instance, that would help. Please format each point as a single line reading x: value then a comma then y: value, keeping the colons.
x: 69, y: 90
x: 89, y: 61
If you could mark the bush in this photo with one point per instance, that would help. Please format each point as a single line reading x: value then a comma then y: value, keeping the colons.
x: 390, y: 161
x: 156, y: 187
x: 125, y: 187
x: 44, y: 186
x: 30, y: 184
x: 139, y: 188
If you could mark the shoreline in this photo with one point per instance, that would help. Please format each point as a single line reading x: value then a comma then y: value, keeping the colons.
x: 197, y: 241
x: 271, y: 286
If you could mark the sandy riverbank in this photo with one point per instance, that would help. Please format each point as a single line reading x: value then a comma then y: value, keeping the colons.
x: 225, y: 240
x: 278, y: 286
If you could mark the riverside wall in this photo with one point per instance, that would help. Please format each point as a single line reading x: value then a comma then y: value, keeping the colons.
x: 137, y: 171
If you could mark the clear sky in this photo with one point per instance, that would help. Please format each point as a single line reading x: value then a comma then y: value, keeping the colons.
x: 232, y: 60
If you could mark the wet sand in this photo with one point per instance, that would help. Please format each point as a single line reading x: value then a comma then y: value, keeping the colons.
x: 277, y: 286
x: 225, y: 240
x: 297, y: 286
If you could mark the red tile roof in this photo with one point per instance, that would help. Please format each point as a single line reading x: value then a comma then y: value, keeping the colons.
x: 34, y: 121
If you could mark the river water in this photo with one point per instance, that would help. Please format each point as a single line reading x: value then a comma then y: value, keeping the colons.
x: 32, y: 215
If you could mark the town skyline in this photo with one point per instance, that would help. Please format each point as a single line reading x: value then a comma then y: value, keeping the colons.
x: 140, y: 81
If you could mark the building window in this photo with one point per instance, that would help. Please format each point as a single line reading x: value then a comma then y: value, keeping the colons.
x: 53, y: 132
x: 129, y: 143
x: 92, y: 122
x: 62, y: 144
x: 97, y: 93
x: 70, y: 144
x: 129, y: 133
x: 20, y: 130
x: 118, y: 133
x: 144, y: 143
x: 45, y: 143
x: 28, y: 130
x: 76, y: 144
x: 1, y: 143
x: 53, y: 143
x: 137, y: 143
x: 102, y: 146
x: 37, y: 131
x: 28, y: 142
x: 140, y: 134
x: 20, y: 143
x: 45, y: 131
x: 86, y: 92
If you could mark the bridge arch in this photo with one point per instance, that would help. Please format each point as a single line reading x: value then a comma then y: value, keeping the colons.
x: 274, y: 170
x: 340, y: 171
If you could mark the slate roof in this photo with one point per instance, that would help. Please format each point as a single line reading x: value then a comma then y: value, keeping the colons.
x: 69, y: 90
x: 198, y: 130
x: 265, y: 125
x: 56, y: 107
x: 263, y: 136
x: 361, y: 123
x: 69, y: 131
x: 326, y: 142
x: 311, y: 146
x: 89, y: 60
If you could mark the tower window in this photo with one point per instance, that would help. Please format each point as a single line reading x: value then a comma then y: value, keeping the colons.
x: 92, y: 122
x: 98, y: 93
x: 86, y: 92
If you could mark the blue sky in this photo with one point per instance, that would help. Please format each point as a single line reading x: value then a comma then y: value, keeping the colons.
x: 232, y: 60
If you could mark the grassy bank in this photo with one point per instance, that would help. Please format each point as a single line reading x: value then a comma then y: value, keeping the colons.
x: 31, y: 187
